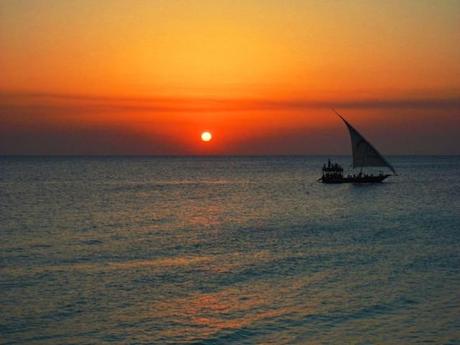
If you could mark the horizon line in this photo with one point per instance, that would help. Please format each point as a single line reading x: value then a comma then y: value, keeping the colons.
x: 208, y: 156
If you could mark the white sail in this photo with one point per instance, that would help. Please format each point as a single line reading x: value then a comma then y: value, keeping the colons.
x: 364, y: 154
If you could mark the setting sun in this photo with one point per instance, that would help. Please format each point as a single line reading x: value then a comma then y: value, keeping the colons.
x: 206, y: 136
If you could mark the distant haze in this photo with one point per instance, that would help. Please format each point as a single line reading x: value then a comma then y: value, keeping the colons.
x: 147, y: 77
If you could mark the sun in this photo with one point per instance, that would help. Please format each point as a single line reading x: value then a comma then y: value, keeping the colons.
x: 206, y: 136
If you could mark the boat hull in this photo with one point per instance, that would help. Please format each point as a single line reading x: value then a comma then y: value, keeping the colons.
x: 353, y: 179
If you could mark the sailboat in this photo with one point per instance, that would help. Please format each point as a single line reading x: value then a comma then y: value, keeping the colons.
x: 364, y: 155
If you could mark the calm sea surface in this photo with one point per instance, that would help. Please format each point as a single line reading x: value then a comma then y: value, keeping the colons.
x: 227, y: 251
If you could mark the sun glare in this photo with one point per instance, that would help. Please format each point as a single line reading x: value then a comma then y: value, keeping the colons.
x: 206, y: 136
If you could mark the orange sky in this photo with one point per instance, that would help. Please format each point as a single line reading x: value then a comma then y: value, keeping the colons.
x: 147, y: 77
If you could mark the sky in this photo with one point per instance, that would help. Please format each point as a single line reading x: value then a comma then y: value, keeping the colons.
x: 120, y: 77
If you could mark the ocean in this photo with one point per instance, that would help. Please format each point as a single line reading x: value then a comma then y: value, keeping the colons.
x: 227, y: 250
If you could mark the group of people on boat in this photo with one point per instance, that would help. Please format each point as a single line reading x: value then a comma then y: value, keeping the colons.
x: 361, y: 175
x: 332, y: 170
x: 335, y: 171
x: 332, y: 167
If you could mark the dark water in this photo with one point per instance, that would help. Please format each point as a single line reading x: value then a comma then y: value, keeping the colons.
x: 227, y: 251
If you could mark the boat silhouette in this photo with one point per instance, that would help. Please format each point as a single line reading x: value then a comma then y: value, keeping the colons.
x: 364, y: 155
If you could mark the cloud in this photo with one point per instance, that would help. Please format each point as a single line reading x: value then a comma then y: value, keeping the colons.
x: 19, y: 102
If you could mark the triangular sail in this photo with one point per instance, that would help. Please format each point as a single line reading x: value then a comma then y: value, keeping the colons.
x: 364, y: 154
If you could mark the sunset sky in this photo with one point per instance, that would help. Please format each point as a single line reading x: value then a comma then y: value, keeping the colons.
x: 148, y: 77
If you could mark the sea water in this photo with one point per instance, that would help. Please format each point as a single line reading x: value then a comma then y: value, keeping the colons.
x: 228, y: 250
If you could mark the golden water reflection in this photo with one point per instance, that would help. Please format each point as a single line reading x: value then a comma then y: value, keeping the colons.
x: 240, y: 306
